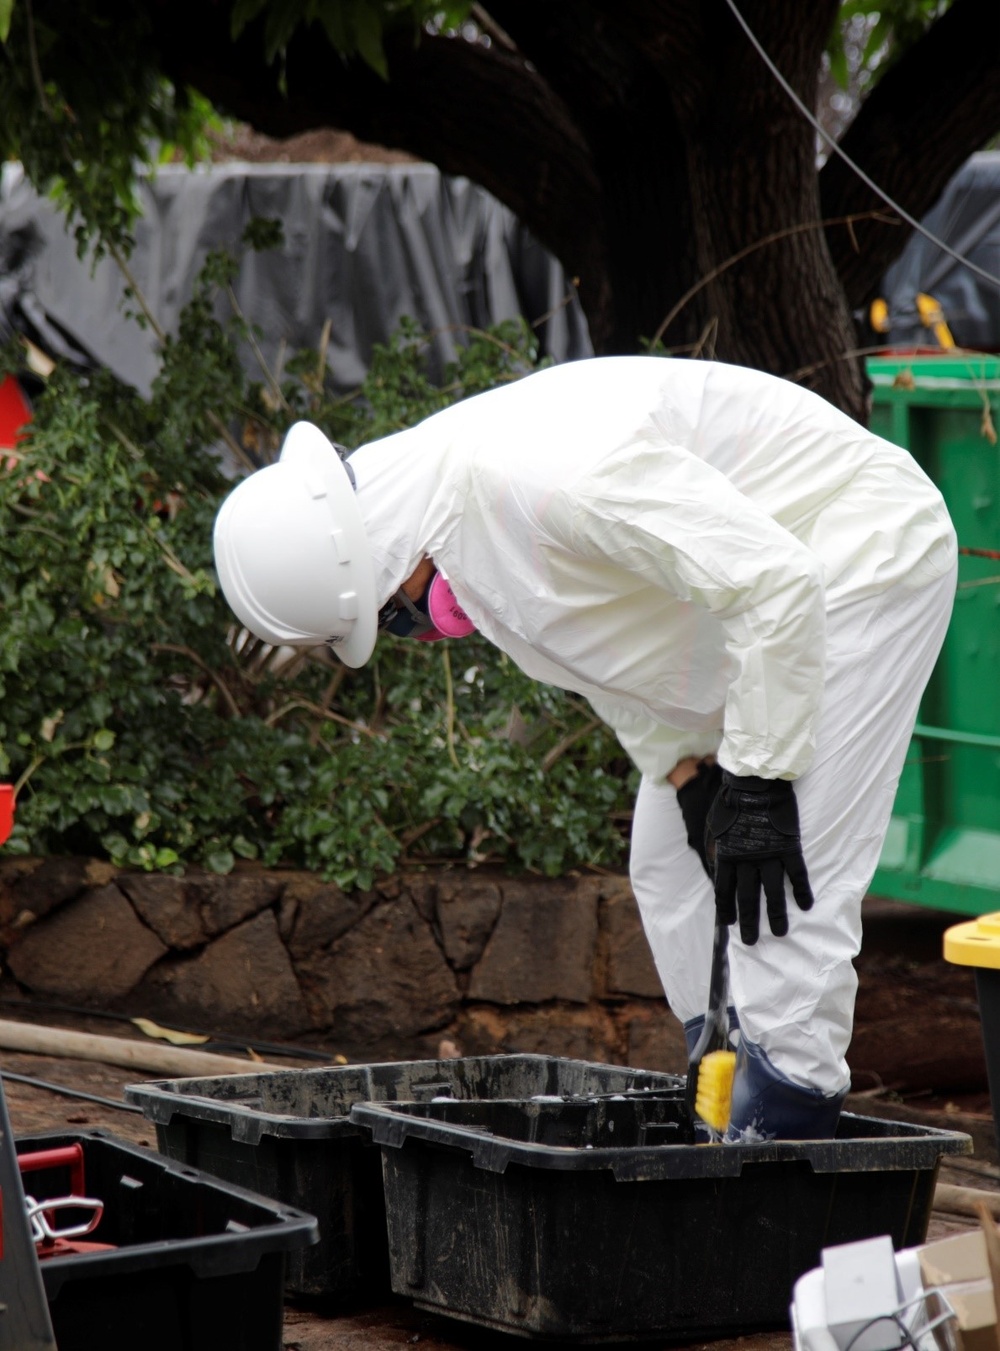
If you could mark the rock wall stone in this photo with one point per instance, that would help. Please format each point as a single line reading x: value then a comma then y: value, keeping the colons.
x: 245, y: 978
x: 437, y: 962
x: 543, y: 947
x: 97, y: 946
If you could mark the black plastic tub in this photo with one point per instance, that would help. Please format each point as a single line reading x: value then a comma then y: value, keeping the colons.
x: 587, y: 1222
x: 197, y: 1264
x: 289, y: 1135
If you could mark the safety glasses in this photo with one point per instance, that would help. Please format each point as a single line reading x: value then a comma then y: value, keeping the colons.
x: 403, y: 617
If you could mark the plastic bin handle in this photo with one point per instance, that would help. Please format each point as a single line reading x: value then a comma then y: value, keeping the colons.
x: 62, y: 1156
x: 490, y: 1154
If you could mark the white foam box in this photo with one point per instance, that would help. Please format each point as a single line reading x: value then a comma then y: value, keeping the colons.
x: 863, y: 1295
x: 808, y: 1311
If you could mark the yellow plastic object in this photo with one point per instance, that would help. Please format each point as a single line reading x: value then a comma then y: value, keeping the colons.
x: 715, y: 1088
x: 878, y: 316
x: 974, y: 943
x: 932, y: 317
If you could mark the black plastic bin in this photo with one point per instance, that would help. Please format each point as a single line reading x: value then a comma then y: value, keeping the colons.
x: 585, y: 1222
x: 288, y: 1134
x: 198, y: 1264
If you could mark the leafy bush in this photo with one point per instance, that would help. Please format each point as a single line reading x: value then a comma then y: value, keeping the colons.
x: 139, y: 726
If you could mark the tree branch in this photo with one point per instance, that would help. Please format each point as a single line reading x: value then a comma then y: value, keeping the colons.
x: 470, y: 109
x: 213, y: 676
x: 596, y: 60
x: 934, y: 108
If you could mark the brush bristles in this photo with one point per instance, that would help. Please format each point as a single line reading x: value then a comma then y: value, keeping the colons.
x: 715, y: 1088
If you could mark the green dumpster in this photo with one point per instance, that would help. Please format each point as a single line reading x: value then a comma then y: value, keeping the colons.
x: 943, y: 846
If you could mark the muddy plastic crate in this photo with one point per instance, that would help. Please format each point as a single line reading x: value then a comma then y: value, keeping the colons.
x: 195, y: 1264
x: 587, y: 1222
x: 288, y: 1134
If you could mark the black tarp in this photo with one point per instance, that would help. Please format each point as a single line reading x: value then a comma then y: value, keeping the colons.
x: 364, y: 245
x: 967, y: 219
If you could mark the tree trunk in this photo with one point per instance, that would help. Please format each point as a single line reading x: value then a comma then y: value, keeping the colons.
x: 752, y: 178
x: 601, y: 74
x: 701, y: 156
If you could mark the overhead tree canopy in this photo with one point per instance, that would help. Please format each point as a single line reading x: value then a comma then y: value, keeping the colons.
x: 645, y: 142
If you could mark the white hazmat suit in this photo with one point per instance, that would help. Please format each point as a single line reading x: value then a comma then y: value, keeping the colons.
x: 720, y: 562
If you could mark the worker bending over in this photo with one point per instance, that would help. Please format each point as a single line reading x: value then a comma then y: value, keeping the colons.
x: 748, y: 586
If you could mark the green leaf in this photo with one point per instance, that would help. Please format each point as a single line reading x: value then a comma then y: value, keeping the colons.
x: 280, y: 22
x: 877, y: 37
x: 839, y: 67
x: 334, y: 20
x: 453, y: 14
x: 244, y: 12
x: 263, y: 233
x: 368, y: 36
x: 6, y: 14
x: 116, y: 846
x: 220, y: 861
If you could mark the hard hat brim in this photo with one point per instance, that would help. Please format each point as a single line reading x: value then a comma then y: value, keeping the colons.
x: 308, y: 449
x: 292, y: 552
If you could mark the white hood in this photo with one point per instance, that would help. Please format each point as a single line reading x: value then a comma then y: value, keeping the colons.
x: 395, y: 481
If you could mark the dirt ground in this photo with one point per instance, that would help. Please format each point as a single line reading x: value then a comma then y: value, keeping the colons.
x: 322, y: 146
x: 917, y: 1056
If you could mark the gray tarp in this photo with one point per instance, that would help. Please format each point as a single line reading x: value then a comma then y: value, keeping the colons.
x: 967, y: 219
x: 365, y: 244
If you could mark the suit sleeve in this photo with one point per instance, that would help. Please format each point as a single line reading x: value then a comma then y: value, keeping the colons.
x: 665, y: 515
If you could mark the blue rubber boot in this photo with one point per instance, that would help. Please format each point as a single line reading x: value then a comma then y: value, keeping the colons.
x: 768, y: 1106
x: 692, y: 1030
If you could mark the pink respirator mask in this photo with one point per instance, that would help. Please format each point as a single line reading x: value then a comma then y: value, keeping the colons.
x: 434, y: 615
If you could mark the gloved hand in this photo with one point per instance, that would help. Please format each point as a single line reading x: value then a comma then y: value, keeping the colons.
x: 694, y: 799
x: 754, y: 826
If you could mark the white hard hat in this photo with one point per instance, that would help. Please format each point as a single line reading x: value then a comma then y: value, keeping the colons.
x: 292, y: 554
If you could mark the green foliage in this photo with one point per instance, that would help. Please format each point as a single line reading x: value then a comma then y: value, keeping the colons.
x: 83, y: 104
x: 398, y: 391
x: 352, y: 27
x: 138, y: 726
x: 136, y: 722
x: 870, y: 35
x: 85, y: 107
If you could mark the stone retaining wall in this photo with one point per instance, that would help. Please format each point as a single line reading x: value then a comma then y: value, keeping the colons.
x: 427, y: 963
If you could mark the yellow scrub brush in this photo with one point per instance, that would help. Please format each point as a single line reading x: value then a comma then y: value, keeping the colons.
x: 712, y: 1064
x: 714, y: 1094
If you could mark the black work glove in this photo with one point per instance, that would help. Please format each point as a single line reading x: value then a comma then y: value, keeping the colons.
x: 754, y: 827
x: 694, y: 799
